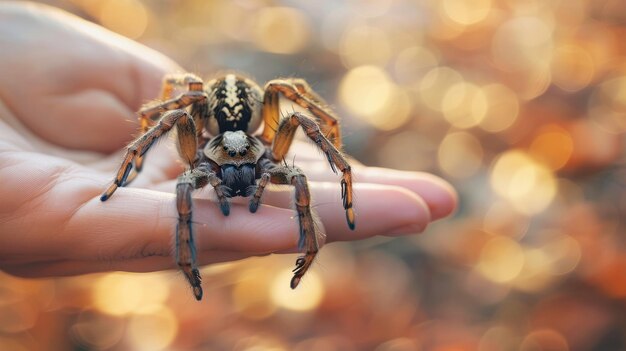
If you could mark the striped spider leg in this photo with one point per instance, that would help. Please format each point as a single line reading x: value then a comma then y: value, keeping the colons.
x: 294, y: 176
x: 328, y: 138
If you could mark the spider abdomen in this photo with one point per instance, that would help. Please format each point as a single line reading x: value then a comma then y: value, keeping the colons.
x: 235, y: 104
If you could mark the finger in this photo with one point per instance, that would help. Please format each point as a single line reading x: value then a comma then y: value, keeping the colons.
x: 137, y: 223
x: 97, y: 95
x: 141, y: 222
x: 328, y: 194
x: 136, y: 232
x: 381, y: 209
x: 438, y: 194
x: 139, y: 265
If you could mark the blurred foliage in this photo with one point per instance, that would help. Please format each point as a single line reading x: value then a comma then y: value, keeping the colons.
x: 521, y: 104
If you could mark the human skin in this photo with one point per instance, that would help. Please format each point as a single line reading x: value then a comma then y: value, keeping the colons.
x: 68, y: 93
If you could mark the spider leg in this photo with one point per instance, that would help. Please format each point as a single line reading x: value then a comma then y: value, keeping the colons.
x: 187, y: 145
x: 284, y: 138
x: 256, y: 197
x: 179, y: 80
x: 308, y: 233
x: 149, y: 113
x: 299, y: 92
x: 265, y: 166
x: 329, y: 123
x: 185, y: 247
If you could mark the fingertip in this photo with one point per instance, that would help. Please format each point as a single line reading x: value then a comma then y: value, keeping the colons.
x: 381, y: 209
x: 439, y: 195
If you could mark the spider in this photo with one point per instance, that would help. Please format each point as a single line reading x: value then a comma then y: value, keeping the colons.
x: 215, y: 122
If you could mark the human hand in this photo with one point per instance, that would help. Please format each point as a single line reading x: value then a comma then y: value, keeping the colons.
x: 68, y: 93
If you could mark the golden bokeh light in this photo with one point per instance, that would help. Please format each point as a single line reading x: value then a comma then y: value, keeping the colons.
x: 544, y: 339
x: 535, y: 274
x: 153, y: 331
x: 371, y: 8
x: 413, y: 62
x: 124, y: 293
x: 502, y: 110
x: 607, y: 105
x: 464, y: 105
x: 366, y: 90
x: 564, y: 252
x: 442, y: 27
x: 281, y: 30
x: 395, y: 113
x: 523, y: 43
x: 460, y: 154
x: 501, y: 260
x: 99, y: 331
x: 127, y: 17
x: 502, y: 219
x: 231, y: 19
x: 435, y: 84
x: 572, y: 68
x: 528, y: 185
x: 251, y: 294
x: 553, y: 147
x: 466, y: 12
x: 306, y: 297
x: 356, y: 46
x: 533, y: 83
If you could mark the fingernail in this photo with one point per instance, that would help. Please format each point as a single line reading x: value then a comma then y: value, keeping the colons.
x: 407, y: 229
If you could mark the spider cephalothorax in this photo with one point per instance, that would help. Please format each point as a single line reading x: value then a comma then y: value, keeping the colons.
x: 215, y: 140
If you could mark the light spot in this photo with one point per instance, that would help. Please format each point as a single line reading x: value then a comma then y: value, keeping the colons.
x: 528, y: 185
x: 123, y: 293
x: 460, y: 154
x: 305, y: 298
x: 127, y: 17
x: 501, y: 260
x: 153, y: 331
x: 365, y: 90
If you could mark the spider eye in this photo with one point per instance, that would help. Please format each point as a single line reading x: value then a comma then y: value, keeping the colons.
x: 225, y: 148
x: 248, y: 147
x: 243, y: 152
x: 232, y: 153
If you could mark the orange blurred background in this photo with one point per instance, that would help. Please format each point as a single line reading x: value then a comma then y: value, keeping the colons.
x: 520, y: 104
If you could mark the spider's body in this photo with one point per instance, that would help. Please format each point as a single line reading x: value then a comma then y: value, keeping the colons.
x: 215, y: 140
x: 236, y: 154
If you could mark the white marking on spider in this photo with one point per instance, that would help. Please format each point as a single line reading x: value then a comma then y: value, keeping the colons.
x: 230, y: 90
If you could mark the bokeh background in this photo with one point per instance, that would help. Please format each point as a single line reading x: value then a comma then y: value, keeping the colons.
x: 520, y: 104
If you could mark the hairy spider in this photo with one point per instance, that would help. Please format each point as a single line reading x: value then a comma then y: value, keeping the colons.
x: 214, y: 139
